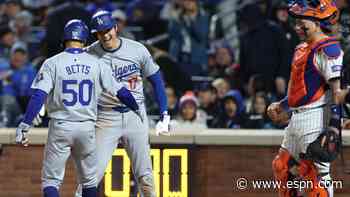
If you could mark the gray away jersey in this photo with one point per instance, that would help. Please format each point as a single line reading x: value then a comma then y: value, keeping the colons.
x: 73, y: 83
x: 130, y: 63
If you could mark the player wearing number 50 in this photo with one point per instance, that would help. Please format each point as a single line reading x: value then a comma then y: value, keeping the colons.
x: 130, y: 62
x: 70, y: 83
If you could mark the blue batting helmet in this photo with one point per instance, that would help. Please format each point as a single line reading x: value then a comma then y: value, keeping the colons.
x: 101, y: 21
x: 76, y: 30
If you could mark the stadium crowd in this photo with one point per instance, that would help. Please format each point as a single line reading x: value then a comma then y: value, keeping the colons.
x: 223, y: 61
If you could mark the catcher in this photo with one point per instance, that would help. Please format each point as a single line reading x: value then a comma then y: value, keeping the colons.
x: 313, y: 101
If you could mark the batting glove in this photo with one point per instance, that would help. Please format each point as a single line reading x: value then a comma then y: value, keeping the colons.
x: 163, y: 125
x: 39, y: 118
x: 21, y: 133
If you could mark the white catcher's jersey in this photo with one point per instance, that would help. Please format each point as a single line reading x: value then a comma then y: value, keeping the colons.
x: 130, y: 63
x: 73, y: 82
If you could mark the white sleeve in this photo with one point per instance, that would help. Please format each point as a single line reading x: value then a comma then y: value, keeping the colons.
x: 108, y: 82
x: 44, y: 79
x: 329, y: 67
x: 149, y: 65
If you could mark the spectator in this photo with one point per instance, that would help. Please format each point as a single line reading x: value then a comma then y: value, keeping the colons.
x: 12, y: 8
x: 224, y: 58
x: 172, y: 101
x: 21, y: 25
x: 145, y: 13
x: 57, y: 18
x: 173, y: 74
x: 222, y: 86
x: 16, y: 83
x: 2, y: 11
x: 208, y: 101
x: 281, y: 17
x: 257, y: 118
x: 255, y: 85
x: 344, y: 20
x: 36, y: 4
x: 190, y: 116
x: 7, y: 39
x: 40, y: 16
x: 10, y: 112
x: 171, y: 9
x: 120, y: 17
x: 211, y: 64
x: 188, y: 36
x: 233, y: 112
x: 23, y: 75
x: 263, y: 47
x: 281, y: 88
x: 225, y: 66
x: 229, y: 23
x: 97, y: 5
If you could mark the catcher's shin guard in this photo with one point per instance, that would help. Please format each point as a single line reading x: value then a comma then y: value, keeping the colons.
x: 281, y: 166
x: 308, y: 172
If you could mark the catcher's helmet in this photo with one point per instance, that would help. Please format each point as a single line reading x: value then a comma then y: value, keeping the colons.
x: 76, y: 30
x: 102, y: 20
x: 320, y: 10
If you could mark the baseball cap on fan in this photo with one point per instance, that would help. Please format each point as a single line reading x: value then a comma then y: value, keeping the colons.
x: 119, y: 15
x: 19, y: 47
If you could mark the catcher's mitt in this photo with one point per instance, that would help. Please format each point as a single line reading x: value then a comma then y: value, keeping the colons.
x: 326, y: 147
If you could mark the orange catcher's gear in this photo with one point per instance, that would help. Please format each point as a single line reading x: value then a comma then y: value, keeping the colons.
x: 308, y: 172
x: 307, y: 84
x: 320, y: 10
x: 281, y: 166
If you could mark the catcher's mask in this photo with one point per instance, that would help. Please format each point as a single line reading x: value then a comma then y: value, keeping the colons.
x: 324, y: 11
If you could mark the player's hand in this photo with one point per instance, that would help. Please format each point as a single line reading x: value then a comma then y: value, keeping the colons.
x: 21, y: 133
x: 39, y: 118
x: 274, y: 110
x: 277, y: 114
x: 163, y: 125
x: 139, y: 114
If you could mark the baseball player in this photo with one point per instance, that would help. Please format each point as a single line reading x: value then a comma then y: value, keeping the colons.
x: 130, y: 62
x: 313, y: 100
x: 71, y: 82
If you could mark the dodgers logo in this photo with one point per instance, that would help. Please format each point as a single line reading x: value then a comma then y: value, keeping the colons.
x: 75, y: 34
x: 120, y: 72
x: 99, y: 21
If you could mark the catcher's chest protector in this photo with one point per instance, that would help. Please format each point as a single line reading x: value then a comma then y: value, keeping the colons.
x: 307, y: 85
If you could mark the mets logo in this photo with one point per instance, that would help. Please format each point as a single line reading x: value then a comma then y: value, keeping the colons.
x: 99, y: 21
